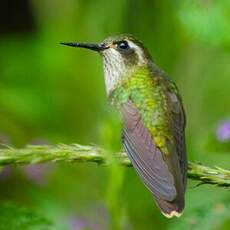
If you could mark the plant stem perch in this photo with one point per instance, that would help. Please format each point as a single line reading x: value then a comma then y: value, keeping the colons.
x: 34, y: 154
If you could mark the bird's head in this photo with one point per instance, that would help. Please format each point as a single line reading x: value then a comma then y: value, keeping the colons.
x: 121, y: 55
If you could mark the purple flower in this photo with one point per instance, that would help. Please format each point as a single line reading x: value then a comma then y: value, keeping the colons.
x: 223, y: 131
x: 5, y: 173
x: 97, y: 218
x: 80, y: 223
x: 37, y: 173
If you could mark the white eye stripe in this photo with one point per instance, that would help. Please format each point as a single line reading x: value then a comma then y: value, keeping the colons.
x: 131, y: 44
x: 138, y: 50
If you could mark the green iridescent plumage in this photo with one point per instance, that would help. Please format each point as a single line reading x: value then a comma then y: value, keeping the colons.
x: 148, y: 93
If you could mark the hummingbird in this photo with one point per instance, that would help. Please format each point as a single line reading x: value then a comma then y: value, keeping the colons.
x: 153, y: 118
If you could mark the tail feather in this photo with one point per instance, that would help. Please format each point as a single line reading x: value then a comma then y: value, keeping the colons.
x: 175, y: 207
x: 170, y: 209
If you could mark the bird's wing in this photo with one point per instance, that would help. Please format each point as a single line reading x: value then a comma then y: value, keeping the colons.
x: 178, y: 122
x: 145, y: 156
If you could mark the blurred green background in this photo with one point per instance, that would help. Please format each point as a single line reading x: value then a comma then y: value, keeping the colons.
x: 53, y: 94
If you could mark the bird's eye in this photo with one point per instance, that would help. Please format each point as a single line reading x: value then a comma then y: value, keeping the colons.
x: 123, y: 45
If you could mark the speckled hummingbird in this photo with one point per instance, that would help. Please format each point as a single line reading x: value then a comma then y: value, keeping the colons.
x: 153, y: 118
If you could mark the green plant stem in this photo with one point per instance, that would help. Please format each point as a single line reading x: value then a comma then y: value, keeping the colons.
x: 33, y: 154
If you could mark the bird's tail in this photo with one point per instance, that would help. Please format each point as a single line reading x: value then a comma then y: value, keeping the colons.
x: 170, y: 209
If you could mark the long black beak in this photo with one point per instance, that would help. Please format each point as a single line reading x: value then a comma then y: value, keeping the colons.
x: 95, y: 47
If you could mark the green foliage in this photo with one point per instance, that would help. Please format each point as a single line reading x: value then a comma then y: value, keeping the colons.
x: 15, y: 217
x: 51, y: 94
x: 211, y: 216
x: 207, y: 21
x: 213, y: 145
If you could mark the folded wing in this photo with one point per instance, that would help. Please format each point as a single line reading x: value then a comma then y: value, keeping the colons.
x: 145, y: 156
